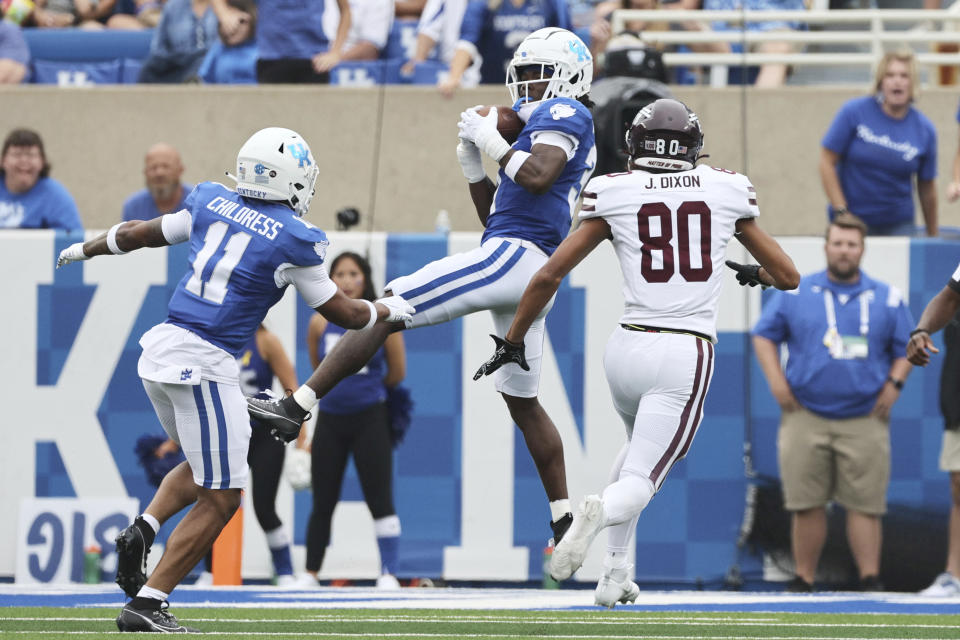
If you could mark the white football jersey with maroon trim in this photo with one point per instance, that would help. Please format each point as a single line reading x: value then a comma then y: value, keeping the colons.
x: 670, y: 232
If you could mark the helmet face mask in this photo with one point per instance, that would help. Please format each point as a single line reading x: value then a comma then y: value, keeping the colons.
x: 276, y: 164
x: 665, y: 136
x: 564, y: 63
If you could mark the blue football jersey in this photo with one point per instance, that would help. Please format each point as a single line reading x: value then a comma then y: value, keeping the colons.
x: 237, y: 245
x: 545, y: 219
x: 497, y: 32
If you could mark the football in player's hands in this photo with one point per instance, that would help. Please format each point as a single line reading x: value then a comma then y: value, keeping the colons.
x: 509, y: 123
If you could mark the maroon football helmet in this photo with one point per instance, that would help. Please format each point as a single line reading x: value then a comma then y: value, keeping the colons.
x: 665, y: 136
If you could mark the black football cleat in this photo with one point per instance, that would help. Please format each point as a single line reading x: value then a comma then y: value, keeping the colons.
x: 151, y: 620
x: 560, y: 527
x: 282, y: 418
x: 132, y: 551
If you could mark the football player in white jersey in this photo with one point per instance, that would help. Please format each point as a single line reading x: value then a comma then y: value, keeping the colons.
x: 670, y: 221
x: 525, y: 217
x: 246, y: 246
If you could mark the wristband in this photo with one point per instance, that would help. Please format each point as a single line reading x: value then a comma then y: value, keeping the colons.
x: 916, y: 331
x: 373, y: 314
x: 516, y: 161
x: 896, y: 383
x: 840, y: 210
x: 112, y: 240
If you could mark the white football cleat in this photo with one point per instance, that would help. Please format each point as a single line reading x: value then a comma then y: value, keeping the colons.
x: 616, y: 587
x: 205, y: 579
x: 570, y: 553
x: 945, y: 585
x: 287, y: 580
x: 305, y: 581
x: 387, y: 582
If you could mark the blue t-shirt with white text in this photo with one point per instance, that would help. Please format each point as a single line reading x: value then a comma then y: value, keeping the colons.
x: 879, y: 156
x: 48, y: 205
x: 496, y: 33
x: 237, y: 245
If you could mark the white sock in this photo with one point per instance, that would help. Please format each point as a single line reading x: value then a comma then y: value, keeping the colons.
x: 559, y: 508
x: 305, y: 397
x: 277, y: 539
x: 153, y: 522
x: 153, y: 594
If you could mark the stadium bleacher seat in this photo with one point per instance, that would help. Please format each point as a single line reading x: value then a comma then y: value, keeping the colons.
x: 77, y: 74
x: 87, y: 46
x: 365, y: 73
x: 428, y: 72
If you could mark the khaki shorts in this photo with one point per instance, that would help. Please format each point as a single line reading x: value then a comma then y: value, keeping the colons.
x: 843, y: 460
x: 950, y: 451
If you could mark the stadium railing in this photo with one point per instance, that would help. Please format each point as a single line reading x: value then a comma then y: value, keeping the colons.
x: 913, y: 27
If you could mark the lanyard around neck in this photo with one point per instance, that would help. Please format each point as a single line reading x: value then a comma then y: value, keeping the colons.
x: 831, y: 310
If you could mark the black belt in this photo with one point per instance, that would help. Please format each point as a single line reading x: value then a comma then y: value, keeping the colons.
x: 646, y: 329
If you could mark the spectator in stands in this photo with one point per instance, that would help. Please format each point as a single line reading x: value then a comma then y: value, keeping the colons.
x: 408, y: 8
x: 14, y: 54
x: 370, y: 22
x: 164, y: 193
x: 145, y: 15
x: 29, y: 197
x: 874, y: 148
x: 490, y: 32
x: 440, y: 26
x: 601, y: 30
x: 846, y: 335
x: 85, y: 14
x: 233, y: 58
x: 943, y: 312
x: 187, y: 29
x: 291, y: 42
x: 769, y: 75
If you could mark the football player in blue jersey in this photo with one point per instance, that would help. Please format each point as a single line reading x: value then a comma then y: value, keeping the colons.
x: 246, y: 246
x: 526, y: 217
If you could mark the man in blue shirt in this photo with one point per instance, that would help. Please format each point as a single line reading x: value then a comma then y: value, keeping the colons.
x: 246, y: 246
x: 846, y: 334
x: 526, y: 216
x: 164, y: 192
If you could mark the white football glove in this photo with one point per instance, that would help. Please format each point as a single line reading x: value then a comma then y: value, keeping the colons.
x: 482, y: 131
x: 400, y: 310
x: 470, y: 161
x: 73, y: 253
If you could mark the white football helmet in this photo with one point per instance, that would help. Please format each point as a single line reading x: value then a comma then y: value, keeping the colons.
x: 563, y: 59
x: 276, y: 164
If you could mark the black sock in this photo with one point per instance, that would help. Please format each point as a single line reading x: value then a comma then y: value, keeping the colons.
x: 146, y: 530
x: 151, y: 604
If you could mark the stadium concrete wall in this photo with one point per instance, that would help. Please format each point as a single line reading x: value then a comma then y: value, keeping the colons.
x: 390, y: 151
x: 467, y: 493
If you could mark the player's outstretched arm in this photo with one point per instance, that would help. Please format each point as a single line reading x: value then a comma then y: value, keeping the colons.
x: 776, y: 267
x: 121, y: 238
x: 355, y: 313
x: 935, y: 316
x: 540, y: 170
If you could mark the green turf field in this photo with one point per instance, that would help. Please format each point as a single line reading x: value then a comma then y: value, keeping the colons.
x: 46, y: 623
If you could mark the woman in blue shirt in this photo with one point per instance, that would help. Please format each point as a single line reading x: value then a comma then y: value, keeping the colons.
x: 352, y: 420
x: 874, y: 148
x: 29, y: 197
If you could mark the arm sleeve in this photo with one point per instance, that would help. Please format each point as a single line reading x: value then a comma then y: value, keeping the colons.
x: 558, y: 139
x: 772, y: 324
x: 928, y: 161
x: 841, y: 131
x: 176, y: 226
x: 312, y: 283
x: 954, y: 282
x: 431, y: 20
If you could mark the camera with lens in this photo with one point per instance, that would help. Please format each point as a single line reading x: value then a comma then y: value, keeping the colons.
x: 347, y: 217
